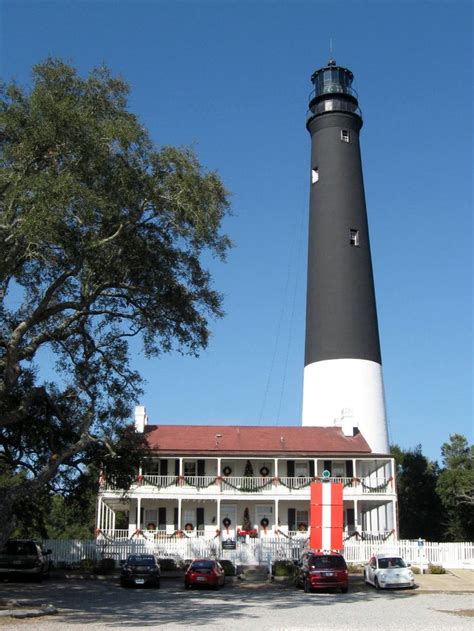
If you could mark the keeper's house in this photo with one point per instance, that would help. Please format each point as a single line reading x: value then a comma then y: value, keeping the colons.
x: 208, y: 481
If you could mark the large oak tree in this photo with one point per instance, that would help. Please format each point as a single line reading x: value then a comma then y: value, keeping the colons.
x: 102, y: 237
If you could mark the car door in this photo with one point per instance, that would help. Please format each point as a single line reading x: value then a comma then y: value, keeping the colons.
x: 371, y: 570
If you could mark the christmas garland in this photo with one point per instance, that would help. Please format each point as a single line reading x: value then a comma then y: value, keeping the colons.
x: 248, y: 489
x: 376, y: 489
x: 294, y: 484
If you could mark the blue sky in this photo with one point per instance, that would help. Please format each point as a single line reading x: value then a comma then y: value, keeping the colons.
x: 232, y: 79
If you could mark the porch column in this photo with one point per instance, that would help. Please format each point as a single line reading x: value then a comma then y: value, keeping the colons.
x: 276, y: 467
x: 139, y: 511
x: 218, y: 517
x: 356, y: 516
x: 113, y: 521
x: 180, y: 466
x: 179, y: 501
x: 219, y: 460
x: 99, y: 509
x: 106, y: 509
x: 276, y: 514
x: 354, y: 471
x: 316, y: 467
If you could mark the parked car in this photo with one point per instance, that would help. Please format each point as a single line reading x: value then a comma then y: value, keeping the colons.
x: 322, y: 570
x: 24, y: 558
x: 140, y: 569
x: 385, y: 571
x: 204, y: 573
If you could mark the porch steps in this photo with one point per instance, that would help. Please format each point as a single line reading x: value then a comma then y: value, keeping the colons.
x: 253, y: 573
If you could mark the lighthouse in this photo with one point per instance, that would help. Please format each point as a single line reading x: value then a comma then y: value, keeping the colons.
x: 343, y: 381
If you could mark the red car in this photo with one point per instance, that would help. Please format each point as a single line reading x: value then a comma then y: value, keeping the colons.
x: 205, y: 573
x: 322, y: 570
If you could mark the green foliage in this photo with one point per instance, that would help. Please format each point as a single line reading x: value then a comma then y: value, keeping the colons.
x: 283, y: 568
x: 103, y: 237
x: 105, y: 566
x: 455, y: 487
x: 419, y: 506
x: 353, y: 568
x: 436, y: 569
x: 87, y: 565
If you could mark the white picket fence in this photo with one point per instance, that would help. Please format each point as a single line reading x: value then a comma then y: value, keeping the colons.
x: 258, y: 551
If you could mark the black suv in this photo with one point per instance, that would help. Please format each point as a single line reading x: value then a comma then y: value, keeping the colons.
x: 322, y: 570
x: 140, y: 569
x: 24, y: 557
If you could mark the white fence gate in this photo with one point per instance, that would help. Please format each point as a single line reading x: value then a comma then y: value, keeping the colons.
x: 258, y: 551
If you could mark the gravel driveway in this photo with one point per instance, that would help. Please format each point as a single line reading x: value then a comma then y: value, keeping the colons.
x: 104, y: 605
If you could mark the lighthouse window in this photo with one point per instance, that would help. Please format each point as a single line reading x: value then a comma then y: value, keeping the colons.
x: 345, y: 135
x: 314, y: 175
x: 354, y: 237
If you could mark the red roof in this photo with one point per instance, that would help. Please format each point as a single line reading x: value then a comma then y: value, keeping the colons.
x: 246, y: 440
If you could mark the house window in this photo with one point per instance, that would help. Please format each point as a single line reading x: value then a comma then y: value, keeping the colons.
x: 302, y: 519
x: 314, y: 175
x: 190, y: 468
x: 338, y: 469
x: 345, y: 135
x: 301, y: 469
x: 354, y: 237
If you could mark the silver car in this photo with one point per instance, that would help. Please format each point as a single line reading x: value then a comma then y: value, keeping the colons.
x: 385, y: 571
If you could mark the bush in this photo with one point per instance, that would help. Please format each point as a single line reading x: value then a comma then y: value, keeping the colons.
x: 415, y: 569
x: 228, y: 567
x: 87, y: 565
x: 353, y: 568
x: 104, y: 566
x: 283, y: 568
x: 436, y: 569
x: 168, y: 565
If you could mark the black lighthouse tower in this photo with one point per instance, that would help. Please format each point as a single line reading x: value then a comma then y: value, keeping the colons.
x: 343, y: 373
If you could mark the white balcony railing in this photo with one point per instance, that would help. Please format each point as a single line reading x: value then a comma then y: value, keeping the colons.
x: 241, y: 484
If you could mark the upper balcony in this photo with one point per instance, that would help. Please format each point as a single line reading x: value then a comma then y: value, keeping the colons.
x: 230, y: 486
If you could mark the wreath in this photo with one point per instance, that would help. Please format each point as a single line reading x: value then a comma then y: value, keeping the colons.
x: 151, y: 526
x: 302, y: 526
x: 188, y: 526
x: 264, y: 522
x: 226, y: 470
x: 264, y: 471
x: 227, y: 522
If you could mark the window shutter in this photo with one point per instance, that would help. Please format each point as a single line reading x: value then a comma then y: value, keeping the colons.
x: 163, y: 467
x: 290, y: 468
x: 349, y: 469
x: 200, y: 517
x: 350, y: 517
x: 162, y: 517
x: 176, y: 467
x: 176, y: 525
x: 327, y: 466
x: 201, y: 467
x: 311, y: 468
x: 292, y: 519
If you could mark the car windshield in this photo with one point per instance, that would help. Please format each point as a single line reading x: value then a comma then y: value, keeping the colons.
x: 329, y: 561
x: 19, y: 548
x: 146, y: 561
x: 388, y: 562
x: 202, y: 565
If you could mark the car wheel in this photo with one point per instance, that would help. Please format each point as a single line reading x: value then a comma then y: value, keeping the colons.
x: 307, y: 586
x: 157, y: 584
x: 187, y: 586
x: 123, y: 584
x: 366, y: 577
x: 376, y: 583
x: 344, y: 590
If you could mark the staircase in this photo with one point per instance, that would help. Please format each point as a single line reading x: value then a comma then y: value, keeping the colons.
x: 253, y: 573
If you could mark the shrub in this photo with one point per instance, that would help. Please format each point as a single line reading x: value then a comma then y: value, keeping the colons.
x: 87, y: 565
x: 353, y: 568
x: 228, y: 567
x: 104, y: 566
x: 436, y: 569
x: 168, y: 565
x: 283, y: 568
x: 415, y: 569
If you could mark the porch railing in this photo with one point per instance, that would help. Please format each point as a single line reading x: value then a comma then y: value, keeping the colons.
x: 242, y: 484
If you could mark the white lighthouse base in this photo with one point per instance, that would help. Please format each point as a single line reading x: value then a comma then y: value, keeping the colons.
x: 354, y: 385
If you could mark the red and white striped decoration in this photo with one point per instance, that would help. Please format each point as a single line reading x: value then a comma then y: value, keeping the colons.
x: 326, y: 517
